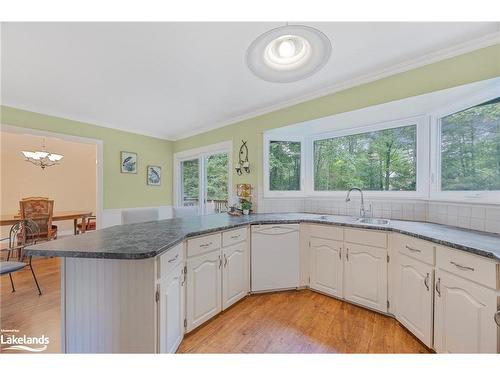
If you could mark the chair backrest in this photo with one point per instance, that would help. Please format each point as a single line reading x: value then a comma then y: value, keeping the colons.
x: 140, y: 216
x: 40, y: 210
x: 23, y: 233
x: 185, y: 211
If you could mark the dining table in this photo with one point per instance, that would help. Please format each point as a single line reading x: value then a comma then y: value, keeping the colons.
x: 57, y: 216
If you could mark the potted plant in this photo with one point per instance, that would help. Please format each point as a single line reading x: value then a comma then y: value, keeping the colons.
x: 246, y: 206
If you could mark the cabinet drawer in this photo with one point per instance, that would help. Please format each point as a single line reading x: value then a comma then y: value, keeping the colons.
x: 468, y: 266
x: 201, y: 245
x: 366, y: 237
x: 328, y: 232
x: 414, y: 248
x: 234, y: 236
x: 170, y: 259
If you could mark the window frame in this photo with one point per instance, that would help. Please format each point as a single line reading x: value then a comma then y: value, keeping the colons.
x: 466, y: 196
x: 200, y: 153
x: 268, y: 193
x: 422, y: 177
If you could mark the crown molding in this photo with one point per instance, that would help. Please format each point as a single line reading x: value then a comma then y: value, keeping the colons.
x: 430, y: 58
x: 443, y: 54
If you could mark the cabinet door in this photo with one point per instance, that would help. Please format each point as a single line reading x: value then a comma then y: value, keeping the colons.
x: 365, y: 276
x: 464, y: 316
x: 235, y: 274
x: 414, y: 286
x: 203, y: 293
x: 325, y: 266
x: 171, y: 313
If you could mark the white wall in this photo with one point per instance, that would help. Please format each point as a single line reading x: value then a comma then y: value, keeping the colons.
x: 72, y: 184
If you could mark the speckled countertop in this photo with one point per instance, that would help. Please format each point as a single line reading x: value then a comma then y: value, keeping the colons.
x: 145, y: 240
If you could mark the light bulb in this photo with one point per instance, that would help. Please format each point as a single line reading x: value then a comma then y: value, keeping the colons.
x: 286, y: 48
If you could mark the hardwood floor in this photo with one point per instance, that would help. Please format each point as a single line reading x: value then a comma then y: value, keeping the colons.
x: 26, y: 311
x: 286, y: 322
x: 300, y: 322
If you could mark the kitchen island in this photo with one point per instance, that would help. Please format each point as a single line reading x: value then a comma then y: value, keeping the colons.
x: 118, y: 283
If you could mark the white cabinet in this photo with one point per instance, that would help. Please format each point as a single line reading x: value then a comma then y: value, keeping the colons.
x: 365, y: 276
x: 235, y: 273
x: 464, y: 316
x: 203, y: 294
x: 413, y: 287
x: 171, y: 313
x: 325, y: 266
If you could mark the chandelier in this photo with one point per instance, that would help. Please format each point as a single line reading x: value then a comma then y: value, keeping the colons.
x: 42, y: 158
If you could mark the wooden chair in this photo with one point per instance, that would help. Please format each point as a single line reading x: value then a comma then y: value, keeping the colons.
x: 40, y: 210
x: 90, y: 224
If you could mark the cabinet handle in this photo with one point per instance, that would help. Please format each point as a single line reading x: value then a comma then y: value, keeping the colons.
x: 347, y: 255
x: 412, y: 249
x: 438, y: 287
x: 206, y: 244
x: 426, y: 281
x: 497, y: 318
x: 173, y: 259
x: 220, y: 261
x: 463, y: 268
x: 225, y: 260
x: 340, y: 252
x: 235, y: 237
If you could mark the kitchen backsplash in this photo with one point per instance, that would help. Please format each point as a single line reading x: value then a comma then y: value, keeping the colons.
x: 470, y: 216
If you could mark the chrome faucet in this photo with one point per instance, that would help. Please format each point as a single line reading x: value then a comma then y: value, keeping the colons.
x: 362, y: 211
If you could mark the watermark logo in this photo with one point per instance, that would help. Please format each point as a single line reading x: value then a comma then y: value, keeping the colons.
x: 11, y: 340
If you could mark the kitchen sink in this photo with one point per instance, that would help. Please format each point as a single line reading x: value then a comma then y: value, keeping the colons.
x: 369, y: 220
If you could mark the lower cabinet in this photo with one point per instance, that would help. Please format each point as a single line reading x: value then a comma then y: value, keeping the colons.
x: 235, y: 274
x: 203, y: 294
x: 365, y: 276
x: 413, y: 288
x: 218, y: 277
x: 325, y: 266
x: 464, y: 316
x: 171, y: 315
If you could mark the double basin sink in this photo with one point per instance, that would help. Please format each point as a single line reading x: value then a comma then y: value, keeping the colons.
x: 363, y: 220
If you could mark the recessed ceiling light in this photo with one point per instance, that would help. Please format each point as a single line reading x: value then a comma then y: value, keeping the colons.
x: 288, y: 53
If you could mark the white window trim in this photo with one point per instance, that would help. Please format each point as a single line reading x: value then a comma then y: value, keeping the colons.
x: 268, y: 138
x: 200, y: 153
x: 466, y: 196
x: 422, y: 125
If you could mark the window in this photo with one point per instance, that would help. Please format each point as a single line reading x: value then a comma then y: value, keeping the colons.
x: 285, y: 165
x: 190, y: 182
x: 380, y: 160
x: 203, y: 178
x: 470, y: 149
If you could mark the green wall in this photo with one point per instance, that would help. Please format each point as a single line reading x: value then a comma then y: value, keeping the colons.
x: 474, y: 66
x: 120, y: 190
x: 123, y: 190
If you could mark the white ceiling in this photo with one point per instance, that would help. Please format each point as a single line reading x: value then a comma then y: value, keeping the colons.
x: 172, y: 80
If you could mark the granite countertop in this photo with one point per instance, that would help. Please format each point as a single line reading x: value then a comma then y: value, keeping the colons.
x: 149, y: 239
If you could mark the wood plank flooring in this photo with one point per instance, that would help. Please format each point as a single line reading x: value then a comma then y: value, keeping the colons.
x: 26, y: 311
x: 300, y: 322
x: 286, y: 322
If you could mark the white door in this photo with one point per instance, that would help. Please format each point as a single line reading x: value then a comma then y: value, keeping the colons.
x: 365, y: 276
x: 464, y: 320
x: 235, y: 274
x: 414, y: 285
x: 171, y: 311
x: 325, y: 266
x: 203, y: 288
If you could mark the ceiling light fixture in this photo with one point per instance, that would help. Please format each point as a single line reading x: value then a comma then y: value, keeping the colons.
x: 288, y: 53
x: 42, y: 158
